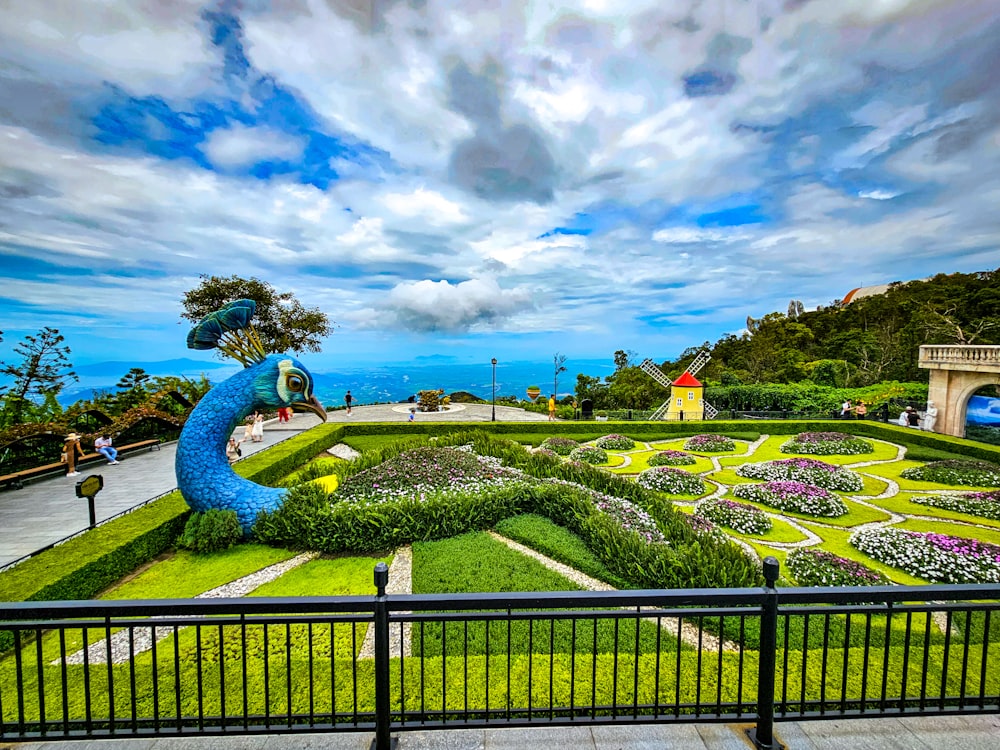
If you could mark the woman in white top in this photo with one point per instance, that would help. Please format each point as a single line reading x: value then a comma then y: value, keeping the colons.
x: 258, y: 429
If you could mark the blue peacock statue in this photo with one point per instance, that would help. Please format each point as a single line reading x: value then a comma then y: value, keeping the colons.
x: 204, y: 475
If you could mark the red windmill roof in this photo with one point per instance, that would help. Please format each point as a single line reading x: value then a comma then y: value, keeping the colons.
x: 687, y: 379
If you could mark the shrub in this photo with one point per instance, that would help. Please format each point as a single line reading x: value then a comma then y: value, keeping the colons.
x: 968, y: 473
x: 827, y: 444
x: 212, y: 531
x: 745, y: 519
x: 936, y: 557
x: 709, y: 443
x: 817, y: 567
x: 671, y: 458
x: 671, y: 481
x: 982, y: 504
x: 807, y: 470
x: 589, y: 454
x: 562, y: 446
x: 615, y: 442
x: 796, y: 497
x: 630, y: 517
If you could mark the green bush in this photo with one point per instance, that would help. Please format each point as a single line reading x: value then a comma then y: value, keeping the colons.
x: 968, y: 473
x: 212, y: 531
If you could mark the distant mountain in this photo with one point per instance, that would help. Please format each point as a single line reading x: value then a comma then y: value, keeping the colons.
x: 180, y: 366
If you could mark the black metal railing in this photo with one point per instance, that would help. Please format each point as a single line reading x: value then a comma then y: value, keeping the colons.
x: 402, y: 662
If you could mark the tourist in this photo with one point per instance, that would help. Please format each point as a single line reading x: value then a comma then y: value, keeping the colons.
x: 861, y: 410
x: 233, y: 451
x: 413, y: 413
x: 904, y: 418
x: 283, y: 414
x: 257, y: 432
x: 930, y: 417
x: 552, y: 407
x: 103, y: 446
x: 72, y: 449
x: 348, y: 399
x: 912, y: 417
x: 248, y: 427
x: 845, y: 409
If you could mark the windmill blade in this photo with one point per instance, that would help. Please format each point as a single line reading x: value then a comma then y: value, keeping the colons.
x: 710, y: 412
x: 661, y: 412
x: 700, y: 361
x: 650, y: 368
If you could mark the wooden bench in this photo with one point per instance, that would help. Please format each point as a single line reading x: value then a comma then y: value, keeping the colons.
x: 17, y: 479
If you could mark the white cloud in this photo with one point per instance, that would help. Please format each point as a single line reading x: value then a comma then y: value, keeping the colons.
x: 690, y: 235
x: 878, y: 195
x: 241, y: 146
x: 429, y: 205
x: 441, y: 306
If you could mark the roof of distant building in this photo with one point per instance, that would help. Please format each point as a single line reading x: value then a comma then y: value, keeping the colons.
x: 687, y: 379
x: 871, y: 291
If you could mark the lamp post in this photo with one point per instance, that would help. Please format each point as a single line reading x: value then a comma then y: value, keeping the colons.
x: 493, y: 417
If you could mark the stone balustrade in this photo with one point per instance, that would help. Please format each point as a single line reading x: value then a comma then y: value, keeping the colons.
x: 933, y: 356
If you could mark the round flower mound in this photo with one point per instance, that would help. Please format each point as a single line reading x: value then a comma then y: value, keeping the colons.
x: 589, y: 454
x: 671, y: 458
x: 425, y: 470
x: 709, y: 443
x: 615, y: 443
x: 817, y: 567
x: 806, y: 470
x: 562, y: 446
x: 703, y: 526
x: 936, y: 557
x: 545, y: 452
x: 796, y: 497
x: 630, y: 517
x: 982, y: 504
x: 827, y: 444
x: 745, y: 519
x: 968, y: 473
x: 671, y: 481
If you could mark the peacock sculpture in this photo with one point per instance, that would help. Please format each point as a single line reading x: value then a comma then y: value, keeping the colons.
x: 204, y: 475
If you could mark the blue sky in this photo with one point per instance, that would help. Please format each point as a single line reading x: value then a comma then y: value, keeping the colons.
x: 477, y: 179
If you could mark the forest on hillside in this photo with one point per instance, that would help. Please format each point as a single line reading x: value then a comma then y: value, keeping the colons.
x: 838, y: 347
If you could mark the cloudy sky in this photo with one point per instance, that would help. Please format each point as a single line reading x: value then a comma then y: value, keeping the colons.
x: 487, y: 177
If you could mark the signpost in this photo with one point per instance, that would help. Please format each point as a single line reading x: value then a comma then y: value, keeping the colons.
x: 88, y: 487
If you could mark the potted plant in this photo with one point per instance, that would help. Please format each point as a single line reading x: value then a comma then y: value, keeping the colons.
x: 534, y: 392
x: 601, y: 416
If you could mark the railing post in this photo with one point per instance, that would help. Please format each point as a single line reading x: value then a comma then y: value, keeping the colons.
x: 762, y: 735
x: 383, y: 740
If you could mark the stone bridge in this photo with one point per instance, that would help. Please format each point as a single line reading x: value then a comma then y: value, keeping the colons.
x: 957, y: 372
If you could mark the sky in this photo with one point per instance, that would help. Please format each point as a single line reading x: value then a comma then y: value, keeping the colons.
x: 487, y: 178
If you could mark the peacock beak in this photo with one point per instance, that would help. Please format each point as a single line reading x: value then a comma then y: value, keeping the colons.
x: 312, y: 405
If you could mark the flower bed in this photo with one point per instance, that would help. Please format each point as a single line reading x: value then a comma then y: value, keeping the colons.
x: 936, y: 557
x: 827, y: 444
x: 703, y: 526
x: 562, y: 446
x: 671, y: 458
x: 630, y: 517
x: 671, y: 481
x: 615, y: 442
x: 709, y: 443
x: 968, y: 473
x: 745, y: 519
x: 982, y: 504
x: 797, y: 497
x: 807, y: 470
x: 589, y: 454
x: 817, y: 567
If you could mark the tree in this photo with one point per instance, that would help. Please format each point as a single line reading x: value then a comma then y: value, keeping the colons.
x: 133, y: 388
x: 283, y: 323
x: 624, y: 358
x: 558, y: 366
x: 43, y: 371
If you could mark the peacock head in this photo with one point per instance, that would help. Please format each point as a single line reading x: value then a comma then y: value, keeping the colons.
x: 282, y: 381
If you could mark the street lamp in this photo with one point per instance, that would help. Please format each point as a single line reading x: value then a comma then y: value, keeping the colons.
x: 493, y: 361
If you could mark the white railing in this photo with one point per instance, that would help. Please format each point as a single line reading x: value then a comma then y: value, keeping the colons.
x: 933, y: 354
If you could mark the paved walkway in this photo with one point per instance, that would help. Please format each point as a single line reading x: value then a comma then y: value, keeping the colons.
x: 919, y: 733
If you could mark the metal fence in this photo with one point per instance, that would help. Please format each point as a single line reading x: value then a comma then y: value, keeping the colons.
x: 389, y: 664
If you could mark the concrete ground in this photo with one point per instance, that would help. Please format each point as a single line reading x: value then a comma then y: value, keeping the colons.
x: 48, y: 510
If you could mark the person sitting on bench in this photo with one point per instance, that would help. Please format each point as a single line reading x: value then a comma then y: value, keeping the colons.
x: 103, y: 446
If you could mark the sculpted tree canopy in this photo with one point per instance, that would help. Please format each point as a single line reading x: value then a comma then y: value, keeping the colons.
x: 284, y: 324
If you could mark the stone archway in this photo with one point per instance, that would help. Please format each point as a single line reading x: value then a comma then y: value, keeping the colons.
x: 957, y: 372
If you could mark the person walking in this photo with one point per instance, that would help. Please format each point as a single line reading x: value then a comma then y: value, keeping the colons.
x: 257, y: 433
x: 72, y: 449
x: 552, y: 407
x: 845, y: 409
x: 103, y: 446
x: 861, y: 410
x: 348, y: 399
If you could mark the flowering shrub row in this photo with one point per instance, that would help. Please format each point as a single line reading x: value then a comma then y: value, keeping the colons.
x: 745, y: 519
x: 817, y: 567
x: 671, y: 458
x: 936, y: 557
x: 968, y: 473
x: 630, y: 517
x: 703, y: 526
x: 983, y: 504
x: 671, y: 481
x: 589, y: 454
x: 807, y: 470
x: 709, y: 444
x: 615, y: 442
x: 560, y: 445
x: 797, y: 497
x: 827, y: 444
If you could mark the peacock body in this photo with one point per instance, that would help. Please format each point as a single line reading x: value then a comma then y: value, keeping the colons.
x: 204, y: 476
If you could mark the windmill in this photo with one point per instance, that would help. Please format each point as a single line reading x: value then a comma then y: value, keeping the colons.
x: 650, y: 368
